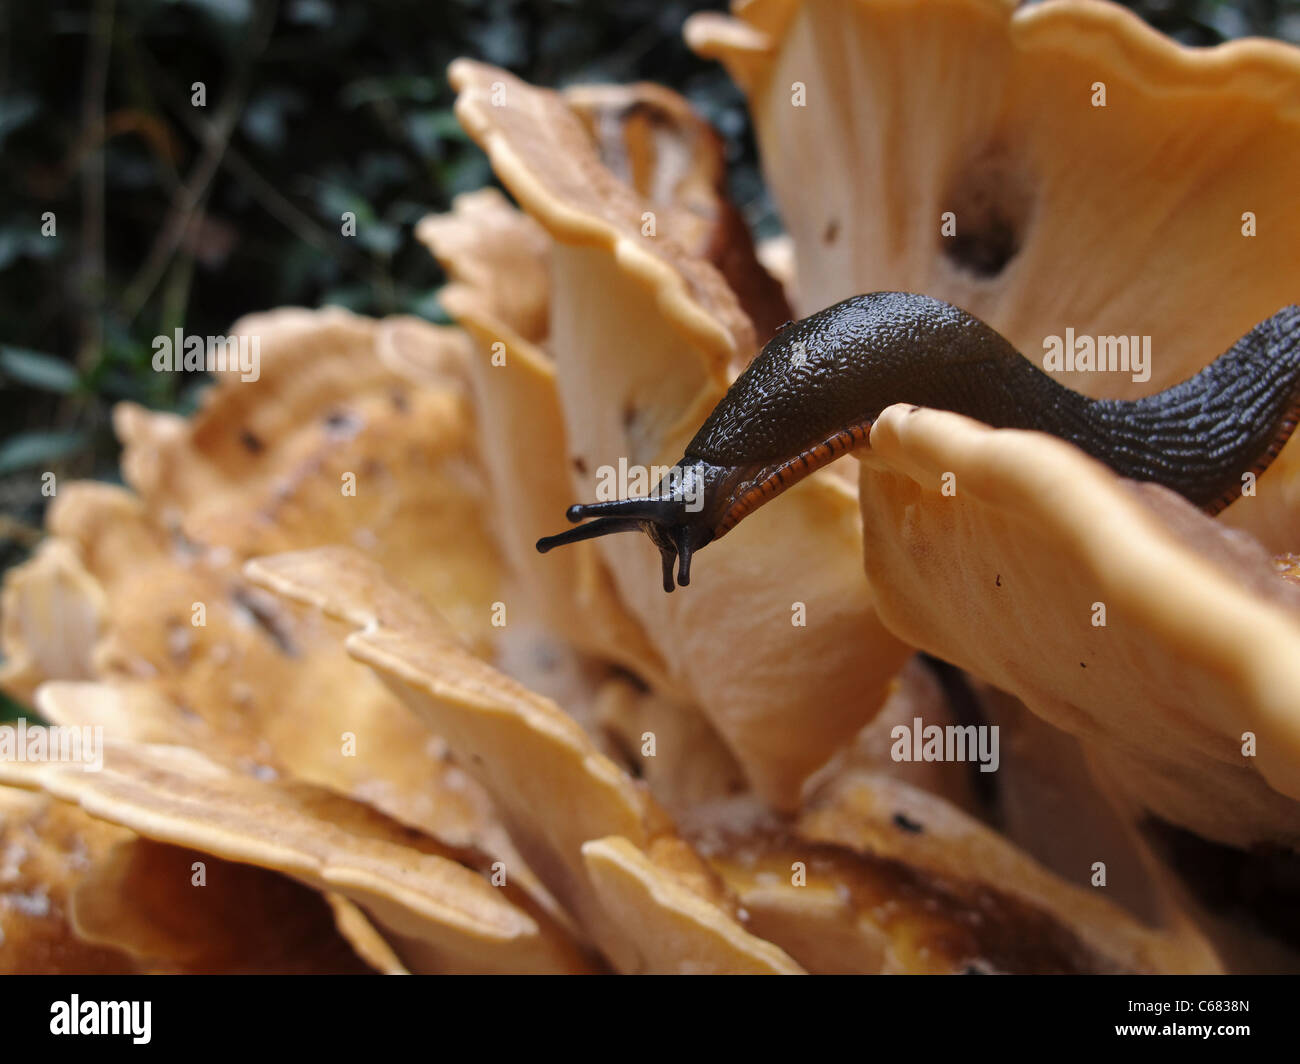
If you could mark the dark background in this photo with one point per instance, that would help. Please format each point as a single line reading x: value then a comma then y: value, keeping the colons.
x: 171, y: 215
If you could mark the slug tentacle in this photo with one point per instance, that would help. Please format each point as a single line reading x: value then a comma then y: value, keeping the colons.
x: 602, y: 527
x: 813, y: 392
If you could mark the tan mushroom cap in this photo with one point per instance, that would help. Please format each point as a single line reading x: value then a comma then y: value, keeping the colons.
x: 667, y: 743
x: 776, y: 253
x: 915, y: 692
x: 141, y: 712
x: 653, y: 141
x: 668, y: 909
x: 50, y: 610
x: 480, y: 242
x: 500, y: 254
x: 112, y: 594
x: 555, y: 790
x: 447, y: 914
x: 371, y: 946
x: 46, y: 849
x: 838, y: 912
x: 253, y: 685
x: 579, y: 201
x: 1127, y: 218
x: 261, y: 466
x: 641, y: 331
x: 879, y: 875
x: 1201, y: 639
x: 1047, y: 779
x: 1123, y: 220
x: 1272, y: 513
x: 946, y: 850
x: 143, y: 898
x: 679, y: 930
x: 1043, y: 779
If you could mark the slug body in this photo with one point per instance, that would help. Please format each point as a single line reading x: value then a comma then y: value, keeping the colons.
x: 814, y: 390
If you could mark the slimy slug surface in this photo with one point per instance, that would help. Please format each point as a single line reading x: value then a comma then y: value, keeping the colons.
x: 813, y: 392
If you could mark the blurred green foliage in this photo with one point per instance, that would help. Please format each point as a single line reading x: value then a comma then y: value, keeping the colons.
x: 168, y: 214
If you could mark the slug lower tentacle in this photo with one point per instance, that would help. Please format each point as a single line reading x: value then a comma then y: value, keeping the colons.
x: 814, y: 390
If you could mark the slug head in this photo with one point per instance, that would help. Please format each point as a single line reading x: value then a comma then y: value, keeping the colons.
x: 678, y: 518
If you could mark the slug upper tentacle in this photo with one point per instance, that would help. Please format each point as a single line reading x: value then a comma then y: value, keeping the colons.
x: 813, y: 392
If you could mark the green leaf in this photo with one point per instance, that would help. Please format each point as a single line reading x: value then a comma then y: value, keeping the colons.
x: 29, y: 449
x: 15, y: 112
x: 11, y: 710
x: 356, y: 297
x: 426, y: 305
x: 379, y: 237
x: 398, y: 87
x: 36, y: 369
x: 15, y: 242
x: 235, y: 12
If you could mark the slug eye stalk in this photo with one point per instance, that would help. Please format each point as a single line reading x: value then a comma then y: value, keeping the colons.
x: 665, y: 521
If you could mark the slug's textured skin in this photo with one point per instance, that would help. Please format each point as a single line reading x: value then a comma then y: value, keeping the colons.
x: 813, y: 391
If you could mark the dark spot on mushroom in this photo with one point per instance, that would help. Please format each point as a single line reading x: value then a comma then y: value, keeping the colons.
x: 274, y: 624
x: 400, y: 403
x: 179, y: 639
x: 905, y: 823
x: 966, y: 710
x: 342, y: 424
x: 630, y: 678
x: 184, y: 546
x: 251, y: 443
x: 1255, y: 888
x: 580, y: 465
x: 991, y: 199
x: 997, y: 580
x: 545, y: 657
x: 1082, y: 665
x: 831, y: 231
x: 987, y: 252
x: 629, y: 416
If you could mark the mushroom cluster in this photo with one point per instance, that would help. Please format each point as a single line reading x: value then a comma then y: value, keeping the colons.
x: 352, y: 721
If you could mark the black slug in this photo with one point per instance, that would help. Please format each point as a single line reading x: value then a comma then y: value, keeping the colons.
x: 814, y: 390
